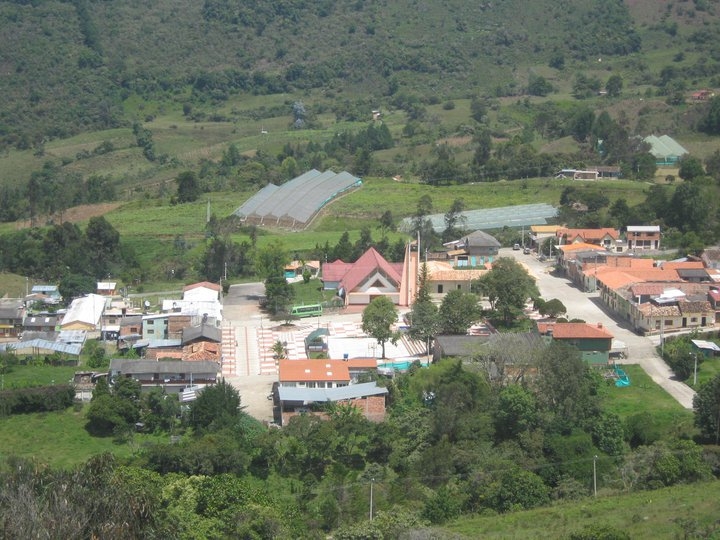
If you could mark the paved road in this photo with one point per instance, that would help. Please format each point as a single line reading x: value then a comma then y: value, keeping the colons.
x: 241, y: 316
x: 587, y: 306
x: 243, y: 319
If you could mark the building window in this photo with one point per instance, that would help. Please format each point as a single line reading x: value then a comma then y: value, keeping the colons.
x: 150, y: 331
x: 668, y: 322
x: 150, y: 321
x: 440, y: 289
x: 311, y: 385
x: 693, y: 319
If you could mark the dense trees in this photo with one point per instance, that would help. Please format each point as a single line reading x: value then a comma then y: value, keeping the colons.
x: 65, y: 251
x: 453, y: 443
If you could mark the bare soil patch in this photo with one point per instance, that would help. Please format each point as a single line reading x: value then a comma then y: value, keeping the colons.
x: 72, y: 215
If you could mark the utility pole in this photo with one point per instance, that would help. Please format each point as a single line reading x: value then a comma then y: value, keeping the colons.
x: 595, y: 475
x: 372, y: 481
x: 695, y: 371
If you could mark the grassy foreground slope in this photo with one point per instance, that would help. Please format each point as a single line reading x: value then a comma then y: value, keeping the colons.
x: 675, y: 512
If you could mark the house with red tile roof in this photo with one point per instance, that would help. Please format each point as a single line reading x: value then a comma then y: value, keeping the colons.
x: 593, y: 341
x: 313, y: 373
x: 605, y: 237
x: 360, y: 282
x: 568, y: 254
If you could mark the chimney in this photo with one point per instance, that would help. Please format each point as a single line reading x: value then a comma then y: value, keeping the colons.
x: 599, y: 325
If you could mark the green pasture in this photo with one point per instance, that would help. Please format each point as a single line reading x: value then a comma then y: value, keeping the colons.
x: 707, y: 370
x: 59, y: 439
x: 14, y: 286
x: 311, y: 293
x: 150, y: 226
x: 675, y: 512
x: 644, y: 396
x: 21, y: 376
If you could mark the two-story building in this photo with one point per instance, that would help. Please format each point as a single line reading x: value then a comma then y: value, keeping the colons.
x: 306, y: 386
x: 475, y: 249
x: 12, y: 314
x: 643, y: 236
x: 606, y: 237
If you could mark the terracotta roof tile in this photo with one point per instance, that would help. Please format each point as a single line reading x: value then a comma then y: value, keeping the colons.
x: 567, y: 248
x: 614, y: 279
x: 206, y: 284
x: 334, y: 271
x: 367, y: 264
x: 652, y: 310
x: 695, y: 307
x: 575, y: 330
x: 684, y: 265
x: 313, y: 370
x: 589, y: 234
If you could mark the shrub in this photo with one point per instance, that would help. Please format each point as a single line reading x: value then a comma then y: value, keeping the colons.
x: 38, y: 399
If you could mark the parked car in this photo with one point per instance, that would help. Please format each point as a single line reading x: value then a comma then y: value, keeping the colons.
x: 516, y: 247
x: 526, y: 251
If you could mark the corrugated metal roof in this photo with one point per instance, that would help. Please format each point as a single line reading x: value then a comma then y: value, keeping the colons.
x: 129, y: 367
x: 66, y: 348
x: 664, y: 146
x: 330, y: 394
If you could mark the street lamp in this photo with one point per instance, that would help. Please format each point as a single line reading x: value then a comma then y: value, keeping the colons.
x: 695, y: 371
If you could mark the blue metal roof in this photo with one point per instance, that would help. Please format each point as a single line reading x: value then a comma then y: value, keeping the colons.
x: 310, y: 395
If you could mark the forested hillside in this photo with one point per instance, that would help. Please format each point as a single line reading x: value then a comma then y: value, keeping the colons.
x: 71, y: 66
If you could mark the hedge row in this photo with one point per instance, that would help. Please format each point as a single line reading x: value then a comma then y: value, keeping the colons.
x: 38, y: 399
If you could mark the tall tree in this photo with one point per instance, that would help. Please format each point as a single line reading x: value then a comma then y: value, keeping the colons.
x: 188, y: 187
x: 508, y: 287
x: 454, y: 221
x: 706, y: 405
x: 270, y: 264
x: 424, y: 315
x: 459, y: 310
x: 614, y: 85
x: 566, y: 387
x: 378, y: 319
x: 421, y: 223
x: 691, y: 168
x: 216, y: 407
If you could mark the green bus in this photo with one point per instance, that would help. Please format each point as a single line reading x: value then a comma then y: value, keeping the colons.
x: 310, y: 310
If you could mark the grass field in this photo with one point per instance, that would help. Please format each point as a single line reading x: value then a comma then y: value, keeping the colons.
x: 59, y: 438
x: 676, y: 512
x: 151, y: 225
x: 22, y: 376
x: 643, y: 395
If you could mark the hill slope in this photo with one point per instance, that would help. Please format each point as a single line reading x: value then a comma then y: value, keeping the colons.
x: 70, y: 66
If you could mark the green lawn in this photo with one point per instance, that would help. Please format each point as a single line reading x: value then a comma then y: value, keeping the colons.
x: 708, y: 369
x: 59, y: 438
x: 643, y: 395
x: 311, y: 293
x: 22, y: 376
